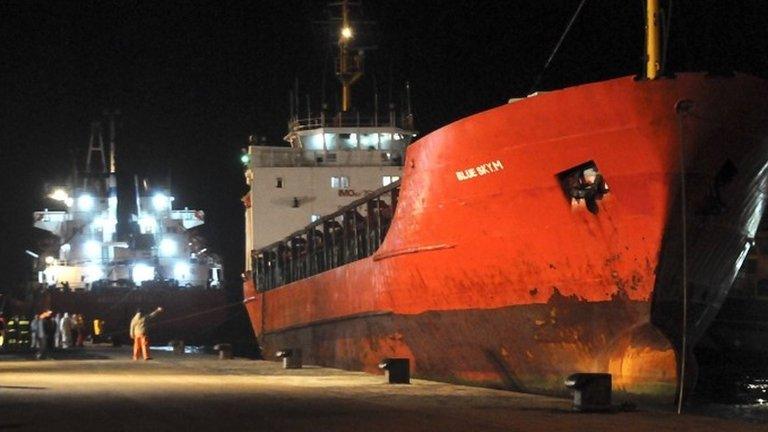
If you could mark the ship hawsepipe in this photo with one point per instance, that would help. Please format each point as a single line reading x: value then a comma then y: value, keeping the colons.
x: 540, y: 238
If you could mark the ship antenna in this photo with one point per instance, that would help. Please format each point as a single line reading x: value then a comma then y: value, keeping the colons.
x: 375, y: 102
x: 95, y: 144
x: 557, y: 47
x: 349, y: 69
x: 409, y: 113
x: 112, y: 160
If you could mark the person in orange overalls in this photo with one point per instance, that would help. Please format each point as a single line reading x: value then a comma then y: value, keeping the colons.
x: 138, y: 332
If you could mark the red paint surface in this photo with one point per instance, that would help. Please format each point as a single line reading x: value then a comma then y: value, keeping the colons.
x: 512, y: 239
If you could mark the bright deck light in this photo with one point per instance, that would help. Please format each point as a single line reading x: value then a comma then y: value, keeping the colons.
x: 85, y: 202
x: 92, y: 249
x: 160, y: 202
x: 181, y: 271
x: 59, y: 195
x: 142, y: 272
x: 346, y: 32
x: 168, y: 247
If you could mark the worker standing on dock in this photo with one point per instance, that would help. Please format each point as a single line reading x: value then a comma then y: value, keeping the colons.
x: 138, y: 333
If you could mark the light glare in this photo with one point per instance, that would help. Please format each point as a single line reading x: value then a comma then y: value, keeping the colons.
x: 85, y: 202
x: 160, y: 202
x: 168, y: 247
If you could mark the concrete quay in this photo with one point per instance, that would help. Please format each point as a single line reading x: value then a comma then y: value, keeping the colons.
x: 102, y: 389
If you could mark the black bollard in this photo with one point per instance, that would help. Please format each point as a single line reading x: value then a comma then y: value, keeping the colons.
x: 397, y: 370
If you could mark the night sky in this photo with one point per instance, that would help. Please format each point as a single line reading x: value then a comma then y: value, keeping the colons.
x: 195, y: 79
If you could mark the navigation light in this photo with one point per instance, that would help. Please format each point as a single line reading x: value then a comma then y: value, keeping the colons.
x: 245, y: 158
x: 346, y: 32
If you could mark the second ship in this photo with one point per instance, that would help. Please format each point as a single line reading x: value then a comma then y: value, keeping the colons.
x: 89, y: 266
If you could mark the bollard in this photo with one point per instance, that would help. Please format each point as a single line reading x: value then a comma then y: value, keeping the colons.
x: 291, y: 358
x: 225, y: 351
x: 397, y: 370
x: 591, y: 391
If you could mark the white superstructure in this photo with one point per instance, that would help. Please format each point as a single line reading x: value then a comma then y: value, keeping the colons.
x: 157, y: 249
x: 326, y: 167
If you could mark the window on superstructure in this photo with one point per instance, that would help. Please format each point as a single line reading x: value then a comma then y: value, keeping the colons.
x: 339, y: 182
x: 279, y: 182
x: 386, y: 180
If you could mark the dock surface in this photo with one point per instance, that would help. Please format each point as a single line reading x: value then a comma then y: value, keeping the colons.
x: 101, y: 388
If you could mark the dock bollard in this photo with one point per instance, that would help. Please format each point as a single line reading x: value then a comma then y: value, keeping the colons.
x: 591, y: 391
x: 291, y: 358
x: 396, y: 370
x: 225, y: 351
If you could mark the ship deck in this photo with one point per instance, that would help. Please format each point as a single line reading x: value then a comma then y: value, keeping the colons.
x: 100, y: 388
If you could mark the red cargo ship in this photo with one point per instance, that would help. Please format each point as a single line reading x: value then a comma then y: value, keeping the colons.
x: 597, y: 228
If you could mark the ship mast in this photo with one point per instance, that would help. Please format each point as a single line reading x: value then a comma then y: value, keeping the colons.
x: 652, y: 40
x: 349, y: 67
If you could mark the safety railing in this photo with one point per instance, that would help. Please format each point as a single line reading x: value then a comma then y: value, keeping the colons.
x: 353, y: 232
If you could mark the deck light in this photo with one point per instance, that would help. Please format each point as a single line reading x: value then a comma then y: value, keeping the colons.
x: 168, y: 247
x: 160, y: 202
x: 85, y: 202
x: 59, y: 195
x: 92, y: 249
x: 346, y: 33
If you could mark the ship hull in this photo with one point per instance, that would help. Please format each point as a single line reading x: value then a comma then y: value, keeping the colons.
x: 492, y: 274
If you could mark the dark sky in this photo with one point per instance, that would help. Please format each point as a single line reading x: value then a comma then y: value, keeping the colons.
x: 195, y: 78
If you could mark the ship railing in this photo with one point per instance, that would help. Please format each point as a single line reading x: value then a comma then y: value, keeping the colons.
x: 353, y: 232
x: 350, y: 120
x: 284, y: 156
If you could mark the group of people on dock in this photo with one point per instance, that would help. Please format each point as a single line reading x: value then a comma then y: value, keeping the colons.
x: 56, y: 331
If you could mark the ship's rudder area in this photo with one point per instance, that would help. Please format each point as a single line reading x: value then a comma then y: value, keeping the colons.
x: 700, y: 301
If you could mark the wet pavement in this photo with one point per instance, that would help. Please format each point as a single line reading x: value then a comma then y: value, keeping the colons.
x: 101, y: 388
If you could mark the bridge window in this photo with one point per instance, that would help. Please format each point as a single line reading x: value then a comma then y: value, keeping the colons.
x: 279, y: 182
x: 385, y: 180
x: 339, y: 182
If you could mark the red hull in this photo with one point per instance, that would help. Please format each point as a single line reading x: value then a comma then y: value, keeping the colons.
x: 491, y: 276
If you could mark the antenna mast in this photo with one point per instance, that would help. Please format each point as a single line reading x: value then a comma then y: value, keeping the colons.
x: 95, y: 144
x: 349, y: 67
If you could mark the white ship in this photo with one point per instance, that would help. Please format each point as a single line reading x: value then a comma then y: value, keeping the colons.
x: 91, y: 256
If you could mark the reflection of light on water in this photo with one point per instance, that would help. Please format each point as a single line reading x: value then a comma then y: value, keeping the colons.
x: 187, y: 349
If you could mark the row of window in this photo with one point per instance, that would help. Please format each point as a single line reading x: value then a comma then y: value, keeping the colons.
x: 342, y: 182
